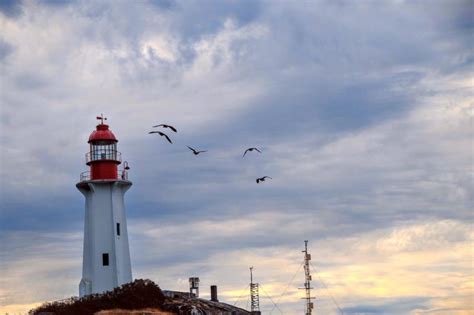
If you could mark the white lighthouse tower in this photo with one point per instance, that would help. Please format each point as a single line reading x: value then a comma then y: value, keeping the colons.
x: 106, y: 258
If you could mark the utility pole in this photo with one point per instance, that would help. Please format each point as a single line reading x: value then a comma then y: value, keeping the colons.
x: 254, y: 297
x: 307, y: 283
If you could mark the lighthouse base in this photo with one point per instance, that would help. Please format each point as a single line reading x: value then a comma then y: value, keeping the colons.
x: 85, y: 287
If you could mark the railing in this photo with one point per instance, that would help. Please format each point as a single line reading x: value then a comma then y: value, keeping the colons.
x: 110, y: 155
x: 85, y: 176
x: 121, y: 174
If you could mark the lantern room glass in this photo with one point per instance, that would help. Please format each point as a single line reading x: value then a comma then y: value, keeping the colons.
x: 103, y: 150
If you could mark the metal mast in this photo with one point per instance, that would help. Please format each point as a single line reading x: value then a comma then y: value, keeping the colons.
x: 254, y: 297
x: 307, y: 283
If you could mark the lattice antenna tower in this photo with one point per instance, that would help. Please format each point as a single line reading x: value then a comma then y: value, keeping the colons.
x: 254, y: 297
x: 307, y: 283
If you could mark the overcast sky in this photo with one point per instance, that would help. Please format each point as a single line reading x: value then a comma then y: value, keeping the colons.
x: 362, y: 111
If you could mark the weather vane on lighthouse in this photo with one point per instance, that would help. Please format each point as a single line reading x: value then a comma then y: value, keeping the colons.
x: 106, y: 256
x: 101, y: 118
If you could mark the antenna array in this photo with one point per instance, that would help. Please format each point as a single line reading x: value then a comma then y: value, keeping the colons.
x: 307, y: 283
x: 254, y: 296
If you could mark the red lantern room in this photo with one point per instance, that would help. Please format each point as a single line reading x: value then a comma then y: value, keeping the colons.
x: 103, y: 157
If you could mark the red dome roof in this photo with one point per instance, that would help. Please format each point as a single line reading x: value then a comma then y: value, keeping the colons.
x: 102, y: 133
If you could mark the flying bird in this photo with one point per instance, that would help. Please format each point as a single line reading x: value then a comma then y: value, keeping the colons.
x: 195, y: 151
x: 251, y: 149
x: 162, y: 134
x: 262, y: 179
x: 166, y: 126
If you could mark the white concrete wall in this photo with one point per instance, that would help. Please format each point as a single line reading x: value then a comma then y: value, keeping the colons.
x: 122, y: 251
x: 104, y: 208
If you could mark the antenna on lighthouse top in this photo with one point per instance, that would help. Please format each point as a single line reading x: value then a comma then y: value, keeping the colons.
x: 101, y: 118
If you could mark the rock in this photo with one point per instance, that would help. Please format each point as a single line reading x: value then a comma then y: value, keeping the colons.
x: 141, y: 297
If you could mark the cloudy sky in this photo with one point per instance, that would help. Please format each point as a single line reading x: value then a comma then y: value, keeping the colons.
x: 362, y: 111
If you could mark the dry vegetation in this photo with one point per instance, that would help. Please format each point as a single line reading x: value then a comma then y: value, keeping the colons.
x: 146, y: 311
x: 137, y: 295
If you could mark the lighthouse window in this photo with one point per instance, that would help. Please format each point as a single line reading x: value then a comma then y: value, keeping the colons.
x: 104, y: 151
x: 118, y: 229
x: 105, y: 259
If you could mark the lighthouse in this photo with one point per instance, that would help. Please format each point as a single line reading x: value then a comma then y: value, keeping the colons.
x: 106, y: 256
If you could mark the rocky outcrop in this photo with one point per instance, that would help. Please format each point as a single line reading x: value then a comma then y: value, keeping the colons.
x: 138, y: 297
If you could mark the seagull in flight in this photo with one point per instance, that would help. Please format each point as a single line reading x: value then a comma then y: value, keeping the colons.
x: 251, y: 149
x: 195, y: 151
x: 166, y: 126
x: 262, y: 179
x: 162, y: 134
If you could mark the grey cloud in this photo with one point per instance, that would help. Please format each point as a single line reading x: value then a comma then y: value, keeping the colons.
x: 163, y: 4
x: 391, y: 306
x: 57, y: 2
x: 27, y: 259
x: 11, y: 8
x: 199, y: 18
x: 28, y: 81
x: 5, y: 50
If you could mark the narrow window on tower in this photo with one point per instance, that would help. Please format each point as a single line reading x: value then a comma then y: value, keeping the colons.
x: 105, y: 259
x: 118, y: 229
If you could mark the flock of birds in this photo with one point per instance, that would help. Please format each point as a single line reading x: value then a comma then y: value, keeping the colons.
x: 197, y: 152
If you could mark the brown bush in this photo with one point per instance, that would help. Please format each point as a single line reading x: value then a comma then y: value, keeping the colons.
x: 139, y: 294
x: 146, y: 311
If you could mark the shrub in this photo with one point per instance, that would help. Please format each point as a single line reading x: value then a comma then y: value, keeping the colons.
x: 135, y: 295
